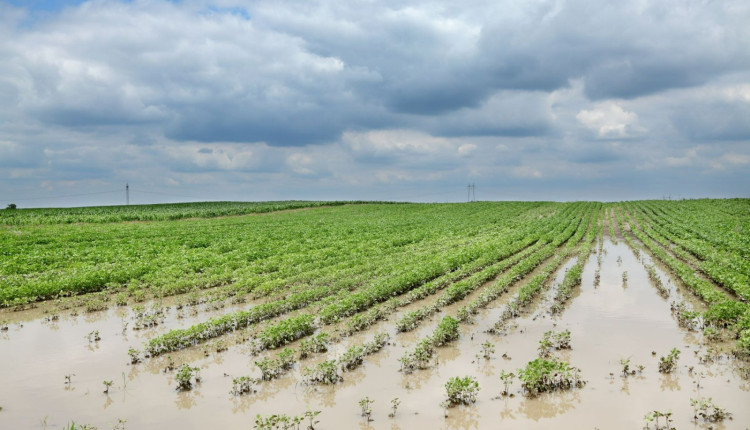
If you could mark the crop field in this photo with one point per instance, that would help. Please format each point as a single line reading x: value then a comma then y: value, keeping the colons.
x: 342, y: 315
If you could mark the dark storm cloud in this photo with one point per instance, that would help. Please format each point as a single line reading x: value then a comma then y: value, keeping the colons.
x: 715, y: 120
x: 294, y: 74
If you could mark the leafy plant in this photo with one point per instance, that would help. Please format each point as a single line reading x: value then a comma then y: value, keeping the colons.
x: 135, y: 356
x: 313, y: 345
x: 394, y: 405
x: 655, y: 416
x: 310, y: 415
x: 277, y: 421
x: 107, y: 384
x: 287, y: 331
x: 185, y: 376
x: 365, y: 404
x: 243, y: 385
x: 488, y: 348
x: 286, y: 422
x: 273, y: 368
x: 352, y: 357
x: 462, y: 390
x: 542, y: 375
x: 667, y: 363
x: 419, y: 358
x: 705, y: 409
x: 446, y: 331
x: 325, y: 372
x: 626, y: 370
x: 507, y: 379
x: 73, y: 426
x: 553, y: 341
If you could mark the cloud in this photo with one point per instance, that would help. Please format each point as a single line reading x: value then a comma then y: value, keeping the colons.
x: 610, y: 121
x: 349, y: 98
x: 715, y: 113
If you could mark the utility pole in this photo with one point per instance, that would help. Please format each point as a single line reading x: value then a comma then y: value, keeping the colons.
x: 127, y: 194
x: 470, y: 194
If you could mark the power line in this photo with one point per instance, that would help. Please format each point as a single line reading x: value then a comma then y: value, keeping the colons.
x: 470, y: 194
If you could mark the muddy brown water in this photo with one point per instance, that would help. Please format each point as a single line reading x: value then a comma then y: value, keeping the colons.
x: 608, y: 322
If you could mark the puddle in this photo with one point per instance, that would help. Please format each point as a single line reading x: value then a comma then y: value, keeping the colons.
x: 608, y: 322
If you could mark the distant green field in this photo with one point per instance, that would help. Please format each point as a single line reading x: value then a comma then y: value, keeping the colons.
x: 158, y: 212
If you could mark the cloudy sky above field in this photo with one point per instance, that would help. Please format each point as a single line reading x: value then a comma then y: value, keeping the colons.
x: 394, y: 100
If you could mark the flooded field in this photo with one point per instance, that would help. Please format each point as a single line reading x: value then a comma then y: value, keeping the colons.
x: 609, y: 320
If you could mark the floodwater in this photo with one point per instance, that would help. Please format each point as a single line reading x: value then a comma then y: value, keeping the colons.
x: 608, y: 322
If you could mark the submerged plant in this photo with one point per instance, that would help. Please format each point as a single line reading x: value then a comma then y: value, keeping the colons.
x: 326, y: 372
x: 93, y: 336
x: 273, y: 368
x: 542, y: 375
x: 419, y: 358
x: 394, y: 405
x: 446, y: 331
x: 488, y: 349
x: 310, y: 415
x: 462, y: 390
x: 352, y: 358
x: 277, y: 421
x: 553, y: 341
x: 185, y: 376
x: 243, y: 385
x: 507, y: 379
x: 135, y: 356
x: 654, y: 417
x: 365, y: 404
x: 627, y: 371
x: 313, y: 345
x: 705, y: 409
x: 668, y: 363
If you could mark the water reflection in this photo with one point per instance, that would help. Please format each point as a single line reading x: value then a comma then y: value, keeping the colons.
x: 187, y: 399
x: 462, y: 417
x: 669, y: 382
x: 549, y: 405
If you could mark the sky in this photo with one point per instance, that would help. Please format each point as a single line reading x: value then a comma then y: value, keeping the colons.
x: 201, y: 100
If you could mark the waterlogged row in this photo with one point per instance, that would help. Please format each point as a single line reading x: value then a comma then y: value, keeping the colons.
x: 337, y: 303
x: 688, y: 253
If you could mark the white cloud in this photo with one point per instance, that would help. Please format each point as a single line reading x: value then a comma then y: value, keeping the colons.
x: 395, y: 142
x: 300, y: 163
x: 610, y: 121
x: 466, y: 149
